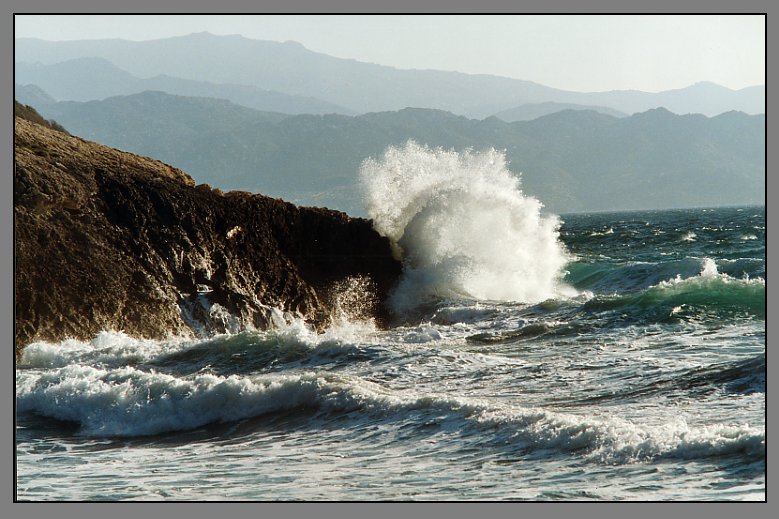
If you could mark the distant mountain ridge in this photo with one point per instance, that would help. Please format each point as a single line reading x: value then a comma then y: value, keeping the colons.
x: 571, y: 160
x: 291, y: 69
x: 88, y: 79
x: 530, y: 111
x: 194, y: 132
x: 32, y: 95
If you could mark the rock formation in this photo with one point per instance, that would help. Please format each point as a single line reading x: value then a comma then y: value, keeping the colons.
x: 110, y: 240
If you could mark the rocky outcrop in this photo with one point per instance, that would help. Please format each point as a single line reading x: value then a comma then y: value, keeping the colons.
x: 111, y: 240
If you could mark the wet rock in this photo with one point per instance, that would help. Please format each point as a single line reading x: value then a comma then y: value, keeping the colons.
x: 110, y: 240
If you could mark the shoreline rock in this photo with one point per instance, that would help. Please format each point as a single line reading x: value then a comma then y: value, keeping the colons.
x: 106, y: 239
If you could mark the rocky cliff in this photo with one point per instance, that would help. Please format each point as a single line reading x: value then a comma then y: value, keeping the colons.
x: 110, y: 240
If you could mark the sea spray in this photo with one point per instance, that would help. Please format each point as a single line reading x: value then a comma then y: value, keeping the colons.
x: 462, y: 226
x: 353, y: 300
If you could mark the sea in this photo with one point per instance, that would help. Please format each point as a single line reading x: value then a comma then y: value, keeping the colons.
x: 531, y: 356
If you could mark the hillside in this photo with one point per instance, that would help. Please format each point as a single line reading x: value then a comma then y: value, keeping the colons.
x: 28, y: 113
x: 572, y: 160
x: 169, y: 128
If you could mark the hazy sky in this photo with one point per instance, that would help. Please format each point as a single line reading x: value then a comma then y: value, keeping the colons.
x: 583, y: 53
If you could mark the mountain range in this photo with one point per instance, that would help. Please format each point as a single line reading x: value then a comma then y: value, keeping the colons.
x: 85, y: 79
x: 572, y: 160
x: 254, y: 72
x: 532, y: 111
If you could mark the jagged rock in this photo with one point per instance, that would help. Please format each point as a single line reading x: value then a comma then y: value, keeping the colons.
x: 110, y: 240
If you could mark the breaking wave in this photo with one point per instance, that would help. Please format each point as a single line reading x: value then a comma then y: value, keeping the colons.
x: 130, y: 402
x: 462, y: 226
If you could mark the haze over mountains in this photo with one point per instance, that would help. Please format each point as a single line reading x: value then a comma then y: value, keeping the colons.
x: 291, y: 69
x: 282, y: 120
x: 86, y: 79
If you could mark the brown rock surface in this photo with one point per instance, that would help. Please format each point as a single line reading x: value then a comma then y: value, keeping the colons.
x: 110, y: 240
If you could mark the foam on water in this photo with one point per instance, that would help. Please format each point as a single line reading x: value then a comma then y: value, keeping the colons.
x: 607, y: 232
x: 290, y: 338
x: 111, y: 348
x: 130, y: 402
x: 710, y: 277
x: 462, y: 226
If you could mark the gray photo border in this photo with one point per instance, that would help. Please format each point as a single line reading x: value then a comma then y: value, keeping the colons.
x: 345, y: 510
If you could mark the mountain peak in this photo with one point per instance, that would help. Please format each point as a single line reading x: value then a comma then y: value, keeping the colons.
x: 205, y: 35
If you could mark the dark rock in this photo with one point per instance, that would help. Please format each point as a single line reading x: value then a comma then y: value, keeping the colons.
x: 110, y: 240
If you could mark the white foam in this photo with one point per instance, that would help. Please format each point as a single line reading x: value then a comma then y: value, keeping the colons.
x: 130, y: 402
x: 603, y: 233
x: 463, y: 314
x: 462, y: 226
x: 107, y: 348
x: 709, y: 274
x: 709, y: 268
x: 113, y: 349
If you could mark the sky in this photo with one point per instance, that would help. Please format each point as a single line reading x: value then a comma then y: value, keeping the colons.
x: 585, y: 53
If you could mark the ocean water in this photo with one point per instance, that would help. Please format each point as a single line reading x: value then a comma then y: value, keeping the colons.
x: 601, y: 356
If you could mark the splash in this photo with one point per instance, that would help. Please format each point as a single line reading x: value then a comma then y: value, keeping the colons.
x: 353, y: 300
x: 462, y: 227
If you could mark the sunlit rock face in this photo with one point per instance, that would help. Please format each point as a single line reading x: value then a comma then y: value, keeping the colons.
x: 110, y: 240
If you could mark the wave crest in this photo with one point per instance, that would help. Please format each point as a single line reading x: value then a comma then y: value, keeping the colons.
x: 130, y: 402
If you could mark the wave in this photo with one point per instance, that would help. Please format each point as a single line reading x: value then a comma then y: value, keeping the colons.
x: 462, y: 227
x: 743, y: 377
x: 125, y: 402
x: 605, y: 276
x: 527, y: 331
x: 742, y: 267
x: 474, y: 313
x: 607, y: 232
x: 247, y: 351
x: 709, y: 292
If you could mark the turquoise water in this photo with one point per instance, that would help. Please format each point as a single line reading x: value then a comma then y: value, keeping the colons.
x: 641, y: 378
